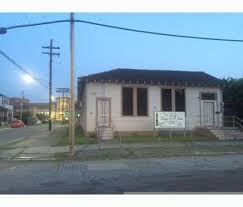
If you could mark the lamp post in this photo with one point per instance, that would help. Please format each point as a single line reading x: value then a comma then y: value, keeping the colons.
x: 72, y: 92
x: 27, y: 79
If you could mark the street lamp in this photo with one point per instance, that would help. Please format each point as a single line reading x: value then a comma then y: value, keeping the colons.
x: 27, y: 79
x: 3, y: 30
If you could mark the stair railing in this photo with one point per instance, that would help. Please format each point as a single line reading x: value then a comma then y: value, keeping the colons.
x: 237, y: 122
x: 97, y: 129
x: 113, y: 126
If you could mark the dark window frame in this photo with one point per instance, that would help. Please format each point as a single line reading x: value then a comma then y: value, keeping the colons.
x: 173, y: 98
x: 142, y: 111
x: 135, y: 101
x: 130, y: 110
x: 208, y: 96
x: 163, y: 107
x: 184, y: 102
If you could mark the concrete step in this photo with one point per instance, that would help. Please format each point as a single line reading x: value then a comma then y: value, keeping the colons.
x: 105, y: 133
x: 228, y: 134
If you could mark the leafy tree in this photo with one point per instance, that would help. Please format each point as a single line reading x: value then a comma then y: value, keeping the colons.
x: 42, y: 117
x: 26, y: 115
x: 233, y: 95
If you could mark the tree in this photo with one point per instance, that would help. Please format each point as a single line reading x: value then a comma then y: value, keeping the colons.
x: 42, y: 117
x: 233, y: 96
x: 26, y: 115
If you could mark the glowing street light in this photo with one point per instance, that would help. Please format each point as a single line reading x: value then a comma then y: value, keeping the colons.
x: 28, y: 79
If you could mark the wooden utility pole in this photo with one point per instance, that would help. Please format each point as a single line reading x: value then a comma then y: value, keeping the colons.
x: 21, y: 105
x: 72, y: 92
x: 50, y: 53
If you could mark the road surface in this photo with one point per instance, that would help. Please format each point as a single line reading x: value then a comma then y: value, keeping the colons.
x: 181, y: 174
x: 37, y: 133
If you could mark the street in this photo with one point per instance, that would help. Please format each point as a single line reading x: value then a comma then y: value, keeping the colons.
x: 36, y: 135
x: 177, y: 174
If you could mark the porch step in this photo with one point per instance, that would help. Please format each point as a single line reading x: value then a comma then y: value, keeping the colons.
x: 228, y: 134
x: 105, y: 133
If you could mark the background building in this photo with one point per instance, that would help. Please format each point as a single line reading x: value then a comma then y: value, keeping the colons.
x: 62, y: 107
x: 6, y: 110
x: 18, y: 105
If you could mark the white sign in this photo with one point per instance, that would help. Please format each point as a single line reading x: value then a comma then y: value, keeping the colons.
x: 169, y: 120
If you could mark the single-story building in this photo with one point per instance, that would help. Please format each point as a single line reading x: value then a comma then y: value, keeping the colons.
x: 125, y: 100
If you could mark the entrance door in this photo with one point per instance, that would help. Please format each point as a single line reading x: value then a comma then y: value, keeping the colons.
x: 208, y: 113
x: 103, y: 112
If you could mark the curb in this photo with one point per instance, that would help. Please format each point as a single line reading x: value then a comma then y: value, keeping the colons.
x: 77, y: 158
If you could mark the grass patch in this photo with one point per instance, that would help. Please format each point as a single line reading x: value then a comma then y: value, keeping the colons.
x: 79, y: 138
x: 4, y: 126
x: 149, y: 139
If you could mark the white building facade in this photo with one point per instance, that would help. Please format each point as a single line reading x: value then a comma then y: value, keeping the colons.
x: 128, y: 105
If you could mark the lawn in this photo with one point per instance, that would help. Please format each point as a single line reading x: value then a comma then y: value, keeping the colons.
x: 150, y: 139
x: 79, y: 138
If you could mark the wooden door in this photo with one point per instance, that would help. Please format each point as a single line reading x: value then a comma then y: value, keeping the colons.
x: 103, y: 113
x: 208, y: 113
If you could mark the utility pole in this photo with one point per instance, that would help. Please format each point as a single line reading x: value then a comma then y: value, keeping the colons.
x: 50, y: 53
x: 72, y: 92
x: 21, y: 105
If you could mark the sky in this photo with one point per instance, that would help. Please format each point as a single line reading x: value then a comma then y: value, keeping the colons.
x: 99, y: 49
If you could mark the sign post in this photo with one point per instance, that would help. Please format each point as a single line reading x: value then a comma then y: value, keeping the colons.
x: 169, y: 120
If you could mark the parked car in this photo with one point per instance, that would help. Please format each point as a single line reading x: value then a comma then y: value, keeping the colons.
x: 17, y: 124
x: 38, y: 122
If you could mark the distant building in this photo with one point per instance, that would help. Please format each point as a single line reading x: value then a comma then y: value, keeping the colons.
x: 59, y: 111
x: 6, y: 110
x: 62, y: 107
x: 39, y: 108
x: 16, y: 103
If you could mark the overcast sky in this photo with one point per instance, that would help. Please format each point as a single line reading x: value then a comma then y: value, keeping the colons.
x: 99, y: 49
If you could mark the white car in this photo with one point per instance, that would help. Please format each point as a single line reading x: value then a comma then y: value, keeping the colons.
x: 38, y: 122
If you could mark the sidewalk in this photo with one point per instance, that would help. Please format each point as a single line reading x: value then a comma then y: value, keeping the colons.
x: 117, y: 151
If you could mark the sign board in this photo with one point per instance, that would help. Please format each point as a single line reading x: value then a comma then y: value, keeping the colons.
x: 169, y: 120
x: 63, y: 90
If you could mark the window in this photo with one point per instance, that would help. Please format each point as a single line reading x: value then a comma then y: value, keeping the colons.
x: 166, y: 100
x: 208, y: 96
x: 134, y: 103
x: 127, y: 101
x: 179, y: 100
x: 142, y: 102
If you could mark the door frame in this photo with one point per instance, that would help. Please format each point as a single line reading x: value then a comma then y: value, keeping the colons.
x: 202, y: 112
x: 103, y: 99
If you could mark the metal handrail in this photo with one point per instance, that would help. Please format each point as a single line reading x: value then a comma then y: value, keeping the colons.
x: 97, y: 129
x: 113, y: 126
x: 238, y: 121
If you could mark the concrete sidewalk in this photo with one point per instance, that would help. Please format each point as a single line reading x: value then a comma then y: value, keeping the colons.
x: 119, y: 151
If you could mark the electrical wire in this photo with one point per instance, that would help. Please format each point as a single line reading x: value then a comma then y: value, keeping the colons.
x: 40, y: 81
x: 36, y: 24
x: 128, y: 29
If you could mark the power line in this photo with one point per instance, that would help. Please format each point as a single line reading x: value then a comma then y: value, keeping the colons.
x: 159, y: 33
x: 2, y: 29
x: 36, y: 24
x: 40, y: 81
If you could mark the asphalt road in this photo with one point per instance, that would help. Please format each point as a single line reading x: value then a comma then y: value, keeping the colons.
x: 35, y: 133
x: 208, y: 174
